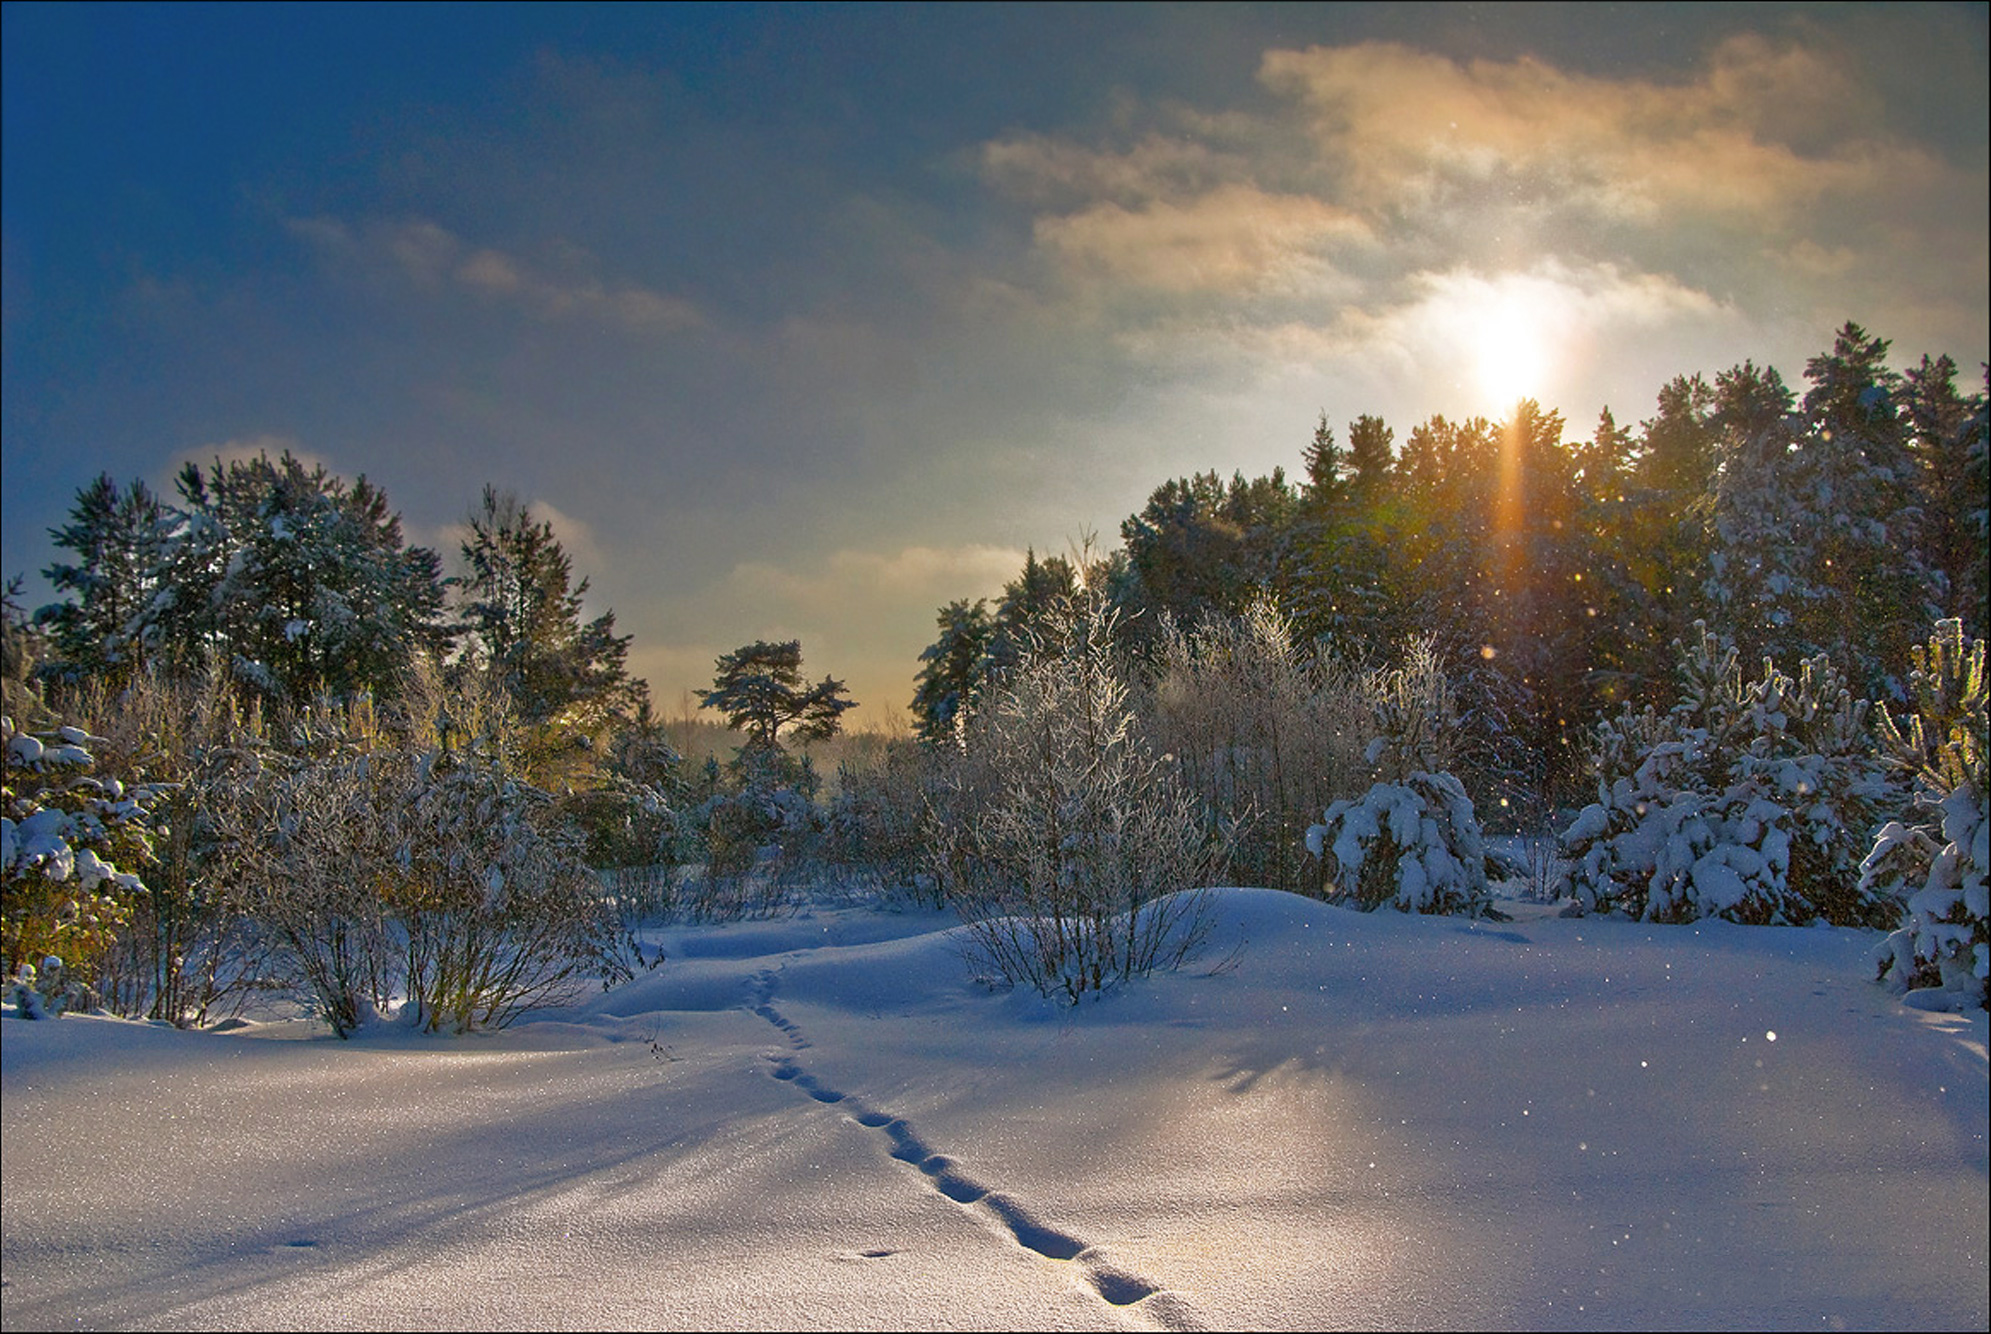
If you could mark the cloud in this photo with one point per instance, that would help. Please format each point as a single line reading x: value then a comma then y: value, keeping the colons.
x: 1053, y: 173
x: 1762, y: 130
x: 1379, y: 159
x: 431, y: 259
x: 1394, y: 225
x: 244, y: 449
x: 1485, y: 340
x: 849, y: 577
x: 576, y: 537
x: 1233, y: 239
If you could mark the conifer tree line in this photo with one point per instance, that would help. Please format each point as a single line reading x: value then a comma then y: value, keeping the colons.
x: 299, y: 585
x: 262, y: 738
x: 1558, y: 574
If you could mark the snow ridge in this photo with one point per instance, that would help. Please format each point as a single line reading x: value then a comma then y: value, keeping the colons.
x: 1002, y: 1212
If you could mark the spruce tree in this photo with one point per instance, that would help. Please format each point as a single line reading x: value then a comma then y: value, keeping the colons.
x: 1817, y: 517
x: 298, y: 582
x: 522, y: 612
x: 117, y: 537
x: 1947, y: 438
x: 956, y: 667
x: 1325, y: 486
x: 1368, y: 459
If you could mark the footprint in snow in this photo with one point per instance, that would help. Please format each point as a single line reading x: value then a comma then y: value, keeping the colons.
x: 1114, y: 1285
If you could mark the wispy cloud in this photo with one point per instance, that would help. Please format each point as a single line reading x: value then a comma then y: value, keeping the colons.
x: 245, y: 449
x: 1234, y: 239
x: 431, y: 259
x: 849, y: 576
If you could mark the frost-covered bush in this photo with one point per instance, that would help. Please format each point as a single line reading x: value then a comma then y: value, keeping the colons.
x: 1748, y: 800
x: 395, y: 873
x: 188, y: 953
x: 495, y: 910
x: 1412, y: 841
x: 1264, y: 732
x: 755, y: 837
x: 66, y: 837
x: 1940, y: 861
x: 1413, y: 723
x: 875, y: 827
x: 1073, y: 852
x: 1414, y: 846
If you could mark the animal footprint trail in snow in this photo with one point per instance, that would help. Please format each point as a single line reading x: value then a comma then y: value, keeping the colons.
x: 944, y: 1174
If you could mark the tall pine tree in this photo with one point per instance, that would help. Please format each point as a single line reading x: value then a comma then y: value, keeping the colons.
x: 567, y: 678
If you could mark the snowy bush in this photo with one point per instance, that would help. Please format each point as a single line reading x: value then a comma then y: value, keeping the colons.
x: 1412, y: 841
x: 1414, y: 846
x: 1264, y: 733
x: 1941, y: 860
x: 63, y: 835
x: 187, y: 953
x: 391, y: 872
x: 1073, y: 852
x: 1746, y: 801
x: 875, y: 828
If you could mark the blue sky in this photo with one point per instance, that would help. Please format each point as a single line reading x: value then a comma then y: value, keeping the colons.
x: 800, y: 321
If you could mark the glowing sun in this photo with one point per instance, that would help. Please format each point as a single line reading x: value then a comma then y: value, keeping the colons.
x: 1510, y: 354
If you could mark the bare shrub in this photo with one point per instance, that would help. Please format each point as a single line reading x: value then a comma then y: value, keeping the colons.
x: 386, y: 868
x: 190, y: 954
x: 1074, y: 853
x: 1263, y: 732
x: 875, y: 833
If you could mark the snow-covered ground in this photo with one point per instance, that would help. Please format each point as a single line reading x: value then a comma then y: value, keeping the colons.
x: 1376, y: 1121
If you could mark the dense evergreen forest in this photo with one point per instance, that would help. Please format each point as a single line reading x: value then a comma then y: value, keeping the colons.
x: 1556, y: 576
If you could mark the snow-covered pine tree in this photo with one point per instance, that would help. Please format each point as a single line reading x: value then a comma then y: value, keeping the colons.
x: 1749, y: 800
x: 521, y: 612
x: 1939, y: 861
x: 1412, y: 841
x: 1948, y: 439
x: 299, y: 582
x: 71, y: 841
x: 1817, y: 518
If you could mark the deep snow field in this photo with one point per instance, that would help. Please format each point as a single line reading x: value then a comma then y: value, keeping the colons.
x: 1335, y: 1120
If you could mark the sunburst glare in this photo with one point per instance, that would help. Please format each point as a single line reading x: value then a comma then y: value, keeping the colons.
x: 1510, y: 353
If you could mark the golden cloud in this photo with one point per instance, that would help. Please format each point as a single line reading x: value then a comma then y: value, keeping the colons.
x: 850, y: 577
x: 1763, y: 129
x: 1233, y: 238
x: 246, y: 449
